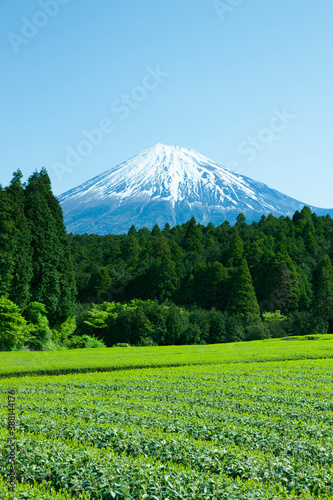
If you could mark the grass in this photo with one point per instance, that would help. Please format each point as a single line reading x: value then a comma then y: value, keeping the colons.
x: 23, y: 363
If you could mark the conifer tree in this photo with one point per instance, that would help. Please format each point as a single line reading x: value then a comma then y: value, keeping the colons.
x: 99, y: 282
x: 210, y: 285
x: 131, y: 248
x: 67, y: 277
x: 240, y: 219
x: 243, y: 302
x: 303, y: 220
x: 236, y: 252
x: 192, y: 236
x: 323, y: 301
x: 7, y: 248
x: 132, y: 231
x: 287, y: 289
x: 309, y: 240
x: 281, y: 286
x: 164, y: 278
x: 45, y: 284
x: 22, y: 249
x: 282, y: 244
x: 166, y: 228
x: 161, y: 248
x: 175, y: 325
x: 156, y: 230
x: 53, y: 277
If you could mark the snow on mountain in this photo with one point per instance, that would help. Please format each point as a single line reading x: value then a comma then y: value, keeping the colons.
x: 168, y: 184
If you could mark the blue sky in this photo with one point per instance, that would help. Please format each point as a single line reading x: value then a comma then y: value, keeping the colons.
x: 247, y: 83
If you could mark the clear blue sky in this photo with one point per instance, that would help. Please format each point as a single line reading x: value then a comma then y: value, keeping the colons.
x: 231, y: 71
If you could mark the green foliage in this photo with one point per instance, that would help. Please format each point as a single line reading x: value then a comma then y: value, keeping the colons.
x: 192, y: 266
x: 156, y: 230
x: 196, y: 284
x: 271, y: 317
x: 217, y: 327
x: 324, y: 289
x: 192, y: 236
x: 35, y: 259
x: 259, y: 331
x: 61, y: 334
x: 99, y: 283
x: 7, y: 244
x: 20, y: 292
x: 36, y: 314
x: 208, y: 286
x: 243, y: 303
x: 150, y: 323
x: 53, y: 277
x: 14, y: 329
x: 240, y: 218
x: 85, y: 342
x: 275, y: 324
x: 196, y: 266
x: 236, y: 252
x: 132, y: 231
x: 164, y: 278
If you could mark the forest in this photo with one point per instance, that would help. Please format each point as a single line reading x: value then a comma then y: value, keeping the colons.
x: 188, y: 284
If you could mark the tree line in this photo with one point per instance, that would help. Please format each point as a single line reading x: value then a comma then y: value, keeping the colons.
x: 268, y: 279
x: 187, y: 284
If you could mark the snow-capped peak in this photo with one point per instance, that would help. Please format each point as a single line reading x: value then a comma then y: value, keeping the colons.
x: 169, y: 172
x: 168, y: 184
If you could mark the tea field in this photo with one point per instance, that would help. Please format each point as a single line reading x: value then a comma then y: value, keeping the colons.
x: 243, y: 421
x: 86, y: 360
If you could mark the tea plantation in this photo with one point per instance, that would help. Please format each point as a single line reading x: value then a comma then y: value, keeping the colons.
x: 243, y: 421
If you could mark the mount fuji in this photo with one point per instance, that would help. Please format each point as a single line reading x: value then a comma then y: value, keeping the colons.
x: 169, y: 184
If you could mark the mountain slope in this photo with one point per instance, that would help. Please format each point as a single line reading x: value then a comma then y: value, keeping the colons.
x: 169, y: 184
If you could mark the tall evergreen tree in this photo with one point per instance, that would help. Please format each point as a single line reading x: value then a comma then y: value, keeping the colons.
x: 7, y: 246
x: 67, y: 276
x: 217, y: 330
x: 156, y: 230
x: 164, y: 278
x: 175, y: 325
x: 323, y: 301
x: 132, y: 231
x: 236, y: 252
x: 23, y: 272
x: 53, y: 277
x: 98, y: 284
x: 192, y: 236
x: 240, y: 219
x: 210, y: 285
x: 166, y: 228
x: 286, y: 288
x: 280, y: 286
x: 243, y: 302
